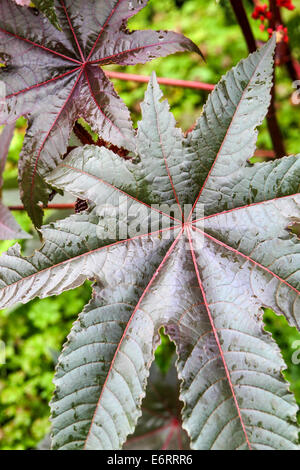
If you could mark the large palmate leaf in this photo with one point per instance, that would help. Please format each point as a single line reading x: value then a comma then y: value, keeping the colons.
x: 54, y: 77
x: 185, y: 255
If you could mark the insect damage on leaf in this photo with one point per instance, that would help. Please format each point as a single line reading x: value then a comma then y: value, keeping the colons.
x: 294, y: 226
x: 48, y: 8
x: 190, y: 237
x: 54, y: 77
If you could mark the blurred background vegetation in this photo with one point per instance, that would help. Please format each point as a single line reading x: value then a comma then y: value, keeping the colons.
x: 34, y: 333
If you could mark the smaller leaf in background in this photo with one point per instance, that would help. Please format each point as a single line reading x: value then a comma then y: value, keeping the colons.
x: 5, y: 140
x: 45, y: 444
x: 9, y: 229
x: 64, y: 81
x: 159, y: 427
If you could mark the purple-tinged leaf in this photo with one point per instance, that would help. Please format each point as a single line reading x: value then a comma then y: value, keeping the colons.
x: 9, y: 229
x: 53, y: 77
x: 47, y: 7
x: 160, y: 426
x: 103, y: 108
x: 5, y: 140
x: 138, y: 47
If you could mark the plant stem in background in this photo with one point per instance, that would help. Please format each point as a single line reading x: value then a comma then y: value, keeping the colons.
x: 273, y: 125
x: 284, y: 54
x: 50, y: 206
x: 242, y: 18
x: 162, y: 81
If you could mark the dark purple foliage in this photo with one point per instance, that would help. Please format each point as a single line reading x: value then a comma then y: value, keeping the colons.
x: 54, y: 78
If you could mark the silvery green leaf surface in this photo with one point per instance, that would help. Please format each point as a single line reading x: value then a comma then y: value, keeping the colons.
x: 160, y: 425
x: 204, y: 274
x: 53, y: 77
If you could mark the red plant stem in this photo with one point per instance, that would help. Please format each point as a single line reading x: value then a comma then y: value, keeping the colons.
x: 273, y: 126
x: 242, y: 18
x: 283, y: 49
x: 274, y: 21
x: 264, y: 153
x: 50, y: 206
x: 292, y: 65
x: 162, y: 81
x: 296, y: 67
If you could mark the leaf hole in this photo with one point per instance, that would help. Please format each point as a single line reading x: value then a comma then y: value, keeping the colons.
x: 294, y: 227
x: 288, y: 340
x: 164, y: 352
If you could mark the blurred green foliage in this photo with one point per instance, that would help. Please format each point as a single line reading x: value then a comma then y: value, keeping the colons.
x: 288, y: 339
x: 11, y: 170
x: 34, y: 333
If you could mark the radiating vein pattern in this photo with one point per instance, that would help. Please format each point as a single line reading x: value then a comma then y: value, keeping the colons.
x: 205, y: 279
x: 53, y: 77
x: 233, y: 373
x: 91, y: 348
